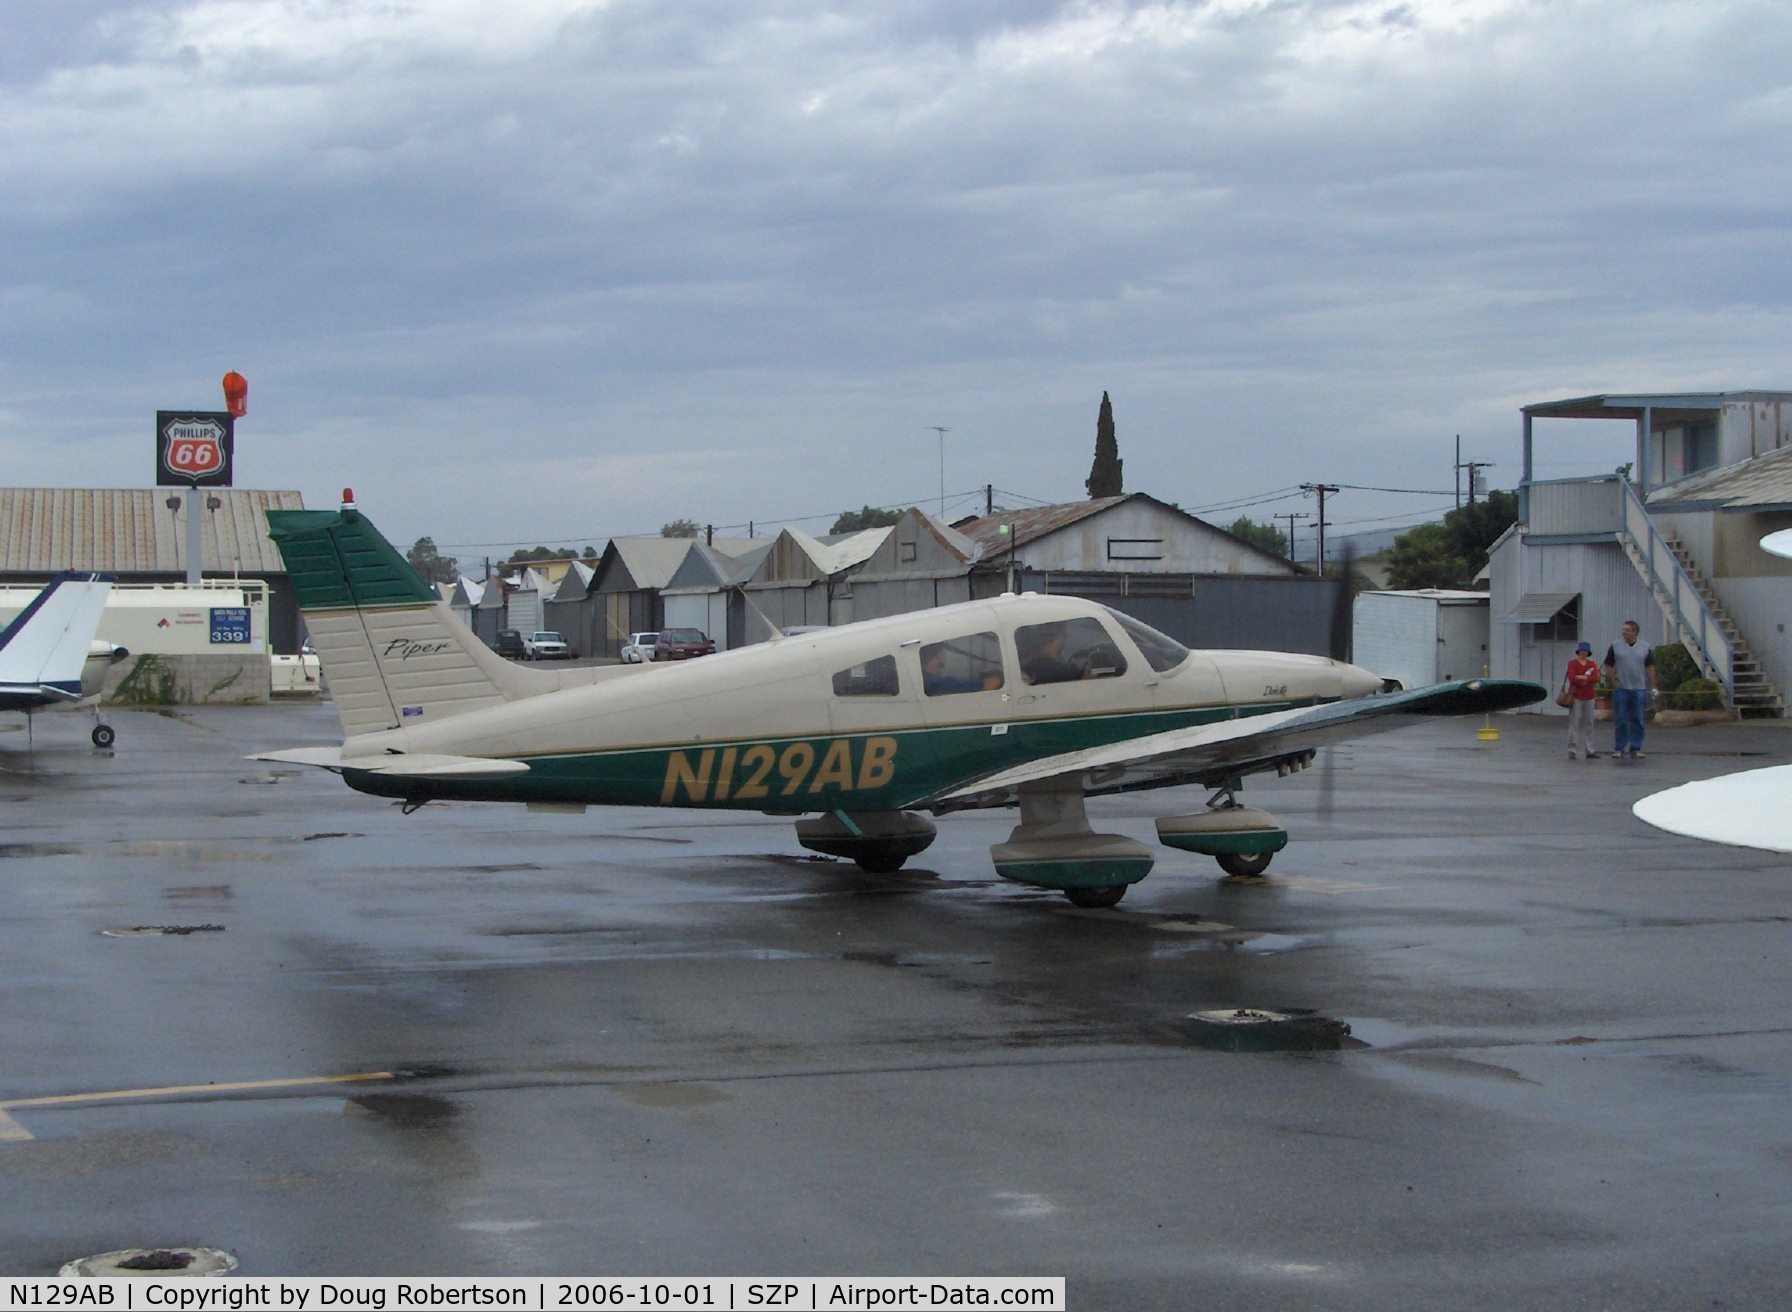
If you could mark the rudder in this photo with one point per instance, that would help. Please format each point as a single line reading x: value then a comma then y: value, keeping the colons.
x: 393, y: 651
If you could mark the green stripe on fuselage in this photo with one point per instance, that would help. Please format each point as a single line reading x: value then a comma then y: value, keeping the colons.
x: 866, y: 771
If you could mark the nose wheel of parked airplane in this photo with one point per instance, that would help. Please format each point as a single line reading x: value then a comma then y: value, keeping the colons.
x: 104, y: 735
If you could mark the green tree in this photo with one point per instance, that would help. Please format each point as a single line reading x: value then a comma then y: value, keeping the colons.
x: 430, y: 564
x: 1104, y: 474
x: 1450, y: 554
x: 851, y: 521
x: 679, y: 528
x: 1266, y: 536
x: 523, y: 556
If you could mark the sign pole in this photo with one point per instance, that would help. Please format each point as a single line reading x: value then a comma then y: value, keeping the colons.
x: 195, y: 538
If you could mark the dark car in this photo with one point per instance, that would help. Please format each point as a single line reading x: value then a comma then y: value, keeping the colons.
x: 510, y: 643
x: 682, y: 645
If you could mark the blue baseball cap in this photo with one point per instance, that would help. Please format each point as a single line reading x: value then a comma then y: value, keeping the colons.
x: 1585, y: 646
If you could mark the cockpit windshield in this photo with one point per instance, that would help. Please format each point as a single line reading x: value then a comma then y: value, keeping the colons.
x: 1161, y: 653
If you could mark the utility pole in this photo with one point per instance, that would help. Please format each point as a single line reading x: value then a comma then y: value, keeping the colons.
x: 1291, y: 517
x: 989, y: 500
x: 942, y: 430
x: 1471, y: 466
x: 1321, y: 490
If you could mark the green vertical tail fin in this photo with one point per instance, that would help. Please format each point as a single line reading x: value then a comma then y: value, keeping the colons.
x: 393, y: 652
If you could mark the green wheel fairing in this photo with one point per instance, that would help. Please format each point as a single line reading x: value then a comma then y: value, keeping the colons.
x: 1239, y: 842
x: 795, y: 774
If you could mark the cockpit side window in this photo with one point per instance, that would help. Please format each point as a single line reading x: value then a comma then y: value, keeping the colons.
x: 872, y: 678
x: 1163, y: 654
x: 1067, y: 650
x: 972, y: 663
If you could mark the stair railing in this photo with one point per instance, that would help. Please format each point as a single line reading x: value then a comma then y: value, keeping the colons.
x: 1670, y: 581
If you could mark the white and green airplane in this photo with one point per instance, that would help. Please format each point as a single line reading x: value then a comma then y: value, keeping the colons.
x: 865, y: 730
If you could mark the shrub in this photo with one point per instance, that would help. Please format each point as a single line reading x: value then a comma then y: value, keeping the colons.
x: 1673, y: 666
x: 1693, y: 695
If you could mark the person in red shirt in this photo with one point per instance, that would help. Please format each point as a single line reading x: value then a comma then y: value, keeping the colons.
x: 1581, y: 682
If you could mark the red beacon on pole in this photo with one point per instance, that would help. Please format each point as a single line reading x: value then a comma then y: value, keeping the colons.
x: 236, y: 394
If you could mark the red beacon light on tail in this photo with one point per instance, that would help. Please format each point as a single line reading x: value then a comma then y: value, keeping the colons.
x: 348, y: 500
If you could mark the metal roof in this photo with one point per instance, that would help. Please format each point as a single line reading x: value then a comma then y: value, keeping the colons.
x: 1631, y: 406
x: 132, y: 531
x: 1759, y: 483
x: 1026, y: 525
x: 651, y: 561
x: 1537, y: 607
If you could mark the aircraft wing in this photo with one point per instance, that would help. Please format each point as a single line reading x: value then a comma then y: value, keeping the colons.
x: 1212, y: 754
x: 400, y: 765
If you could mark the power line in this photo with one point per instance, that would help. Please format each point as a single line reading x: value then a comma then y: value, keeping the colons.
x: 1410, y: 491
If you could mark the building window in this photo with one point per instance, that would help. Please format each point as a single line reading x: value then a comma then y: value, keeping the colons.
x: 1135, y: 548
x: 905, y: 552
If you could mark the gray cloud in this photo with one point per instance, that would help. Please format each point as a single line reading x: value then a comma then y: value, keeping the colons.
x: 730, y: 261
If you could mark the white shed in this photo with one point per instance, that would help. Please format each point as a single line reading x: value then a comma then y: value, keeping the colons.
x: 1421, y: 637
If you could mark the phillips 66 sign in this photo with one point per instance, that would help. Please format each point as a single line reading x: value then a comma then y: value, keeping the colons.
x: 193, y: 448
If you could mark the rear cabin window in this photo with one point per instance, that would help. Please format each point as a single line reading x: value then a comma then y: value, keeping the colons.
x: 1161, y: 653
x: 972, y: 663
x: 1066, y: 651
x: 872, y: 678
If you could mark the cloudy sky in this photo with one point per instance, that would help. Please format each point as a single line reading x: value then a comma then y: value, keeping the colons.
x: 531, y: 271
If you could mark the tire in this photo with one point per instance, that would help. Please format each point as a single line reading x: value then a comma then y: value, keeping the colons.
x: 1094, y: 899
x: 1239, y: 863
x: 104, y: 735
x: 880, y: 862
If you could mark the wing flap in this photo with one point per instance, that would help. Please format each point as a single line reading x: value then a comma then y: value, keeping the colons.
x: 1250, y: 743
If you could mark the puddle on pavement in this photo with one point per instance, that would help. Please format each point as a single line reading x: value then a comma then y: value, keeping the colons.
x: 199, y: 893
x: 672, y: 1097
x: 1384, y: 1034
x: 411, y: 1111
x: 916, y: 959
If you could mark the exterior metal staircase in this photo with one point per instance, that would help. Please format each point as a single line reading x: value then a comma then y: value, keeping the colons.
x: 1693, y: 609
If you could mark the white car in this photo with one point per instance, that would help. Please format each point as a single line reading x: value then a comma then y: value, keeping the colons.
x: 639, y: 648
x: 546, y: 645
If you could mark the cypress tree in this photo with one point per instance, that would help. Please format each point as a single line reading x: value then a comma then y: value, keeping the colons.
x: 1104, y: 474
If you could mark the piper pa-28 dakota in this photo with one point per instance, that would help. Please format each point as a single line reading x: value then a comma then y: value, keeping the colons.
x: 864, y: 730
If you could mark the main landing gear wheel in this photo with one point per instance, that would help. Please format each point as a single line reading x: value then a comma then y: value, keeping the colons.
x: 1244, y: 863
x: 103, y: 735
x: 1094, y: 899
x: 885, y: 860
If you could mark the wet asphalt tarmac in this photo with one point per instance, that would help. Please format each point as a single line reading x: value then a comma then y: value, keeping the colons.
x: 646, y: 1042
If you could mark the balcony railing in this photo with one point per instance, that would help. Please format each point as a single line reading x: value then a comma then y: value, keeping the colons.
x: 1574, y: 507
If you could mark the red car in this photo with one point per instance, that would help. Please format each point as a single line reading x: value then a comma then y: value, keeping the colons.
x: 682, y: 645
